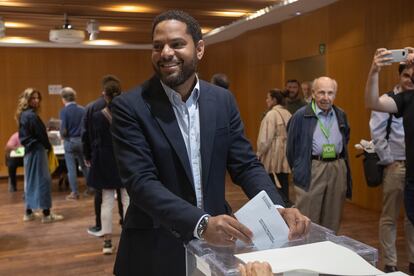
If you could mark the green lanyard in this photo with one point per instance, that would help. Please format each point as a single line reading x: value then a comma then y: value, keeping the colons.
x: 325, y: 131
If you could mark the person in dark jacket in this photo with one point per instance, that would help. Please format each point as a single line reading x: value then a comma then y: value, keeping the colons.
x: 104, y: 173
x: 33, y: 136
x: 318, y: 135
x: 87, y: 144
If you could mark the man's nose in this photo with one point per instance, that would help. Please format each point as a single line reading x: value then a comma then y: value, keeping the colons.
x: 167, y: 51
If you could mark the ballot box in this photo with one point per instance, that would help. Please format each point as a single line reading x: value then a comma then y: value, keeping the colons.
x: 203, y: 259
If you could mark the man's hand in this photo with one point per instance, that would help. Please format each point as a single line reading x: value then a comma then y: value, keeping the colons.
x: 381, y: 58
x: 255, y: 269
x: 224, y: 230
x: 298, y: 224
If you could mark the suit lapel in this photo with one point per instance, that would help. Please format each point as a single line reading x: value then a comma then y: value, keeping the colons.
x: 163, y: 112
x: 208, y: 110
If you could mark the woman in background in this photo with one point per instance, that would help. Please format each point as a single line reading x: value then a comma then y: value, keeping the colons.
x: 103, y: 172
x: 271, y: 142
x: 33, y: 136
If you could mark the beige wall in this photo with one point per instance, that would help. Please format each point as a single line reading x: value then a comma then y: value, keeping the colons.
x: 351, y: 30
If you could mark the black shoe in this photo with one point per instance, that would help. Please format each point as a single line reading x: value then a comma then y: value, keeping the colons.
x: 390, y: 268
x: 108, y: 249
x: 411, y: 268
x: 12, y: 188
x: 95, y: 231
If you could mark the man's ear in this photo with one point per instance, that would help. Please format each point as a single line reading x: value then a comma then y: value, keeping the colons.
x: 200, y: 49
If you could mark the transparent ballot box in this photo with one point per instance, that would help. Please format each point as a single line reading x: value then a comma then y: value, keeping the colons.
x: 203, y: 259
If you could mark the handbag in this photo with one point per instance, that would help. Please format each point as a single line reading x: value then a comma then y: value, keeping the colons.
x: 372, y: 171
x: 53, y: 161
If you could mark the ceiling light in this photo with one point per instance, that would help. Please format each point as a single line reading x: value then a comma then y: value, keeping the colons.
x: 92, y: 27
x: 102, y: 42
x: 206, y: 30
x: 228, y: 13
x: 13, y: 4
x: 17, y: 25
x: 129, y: 8
x: 114, y: 28
x: 17, y: 40
x: 2, y: 27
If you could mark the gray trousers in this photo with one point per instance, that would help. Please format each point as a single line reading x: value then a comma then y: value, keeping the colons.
x: 324, y: 201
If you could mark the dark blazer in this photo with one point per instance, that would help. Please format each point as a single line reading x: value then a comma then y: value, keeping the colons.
x: 154, y: 166
x: 103, y: 173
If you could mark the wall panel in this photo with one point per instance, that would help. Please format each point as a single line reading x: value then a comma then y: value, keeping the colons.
x: 351, y: 30
x: 81, y: 69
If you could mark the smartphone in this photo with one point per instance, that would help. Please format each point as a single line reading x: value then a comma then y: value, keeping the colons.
x: 398, y: 55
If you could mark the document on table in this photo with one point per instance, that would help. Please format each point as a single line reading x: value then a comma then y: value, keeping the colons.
x: 321, y: 257
x: 262, y: 218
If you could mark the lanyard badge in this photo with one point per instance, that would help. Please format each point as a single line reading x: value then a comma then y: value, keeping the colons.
x: 328, y: 150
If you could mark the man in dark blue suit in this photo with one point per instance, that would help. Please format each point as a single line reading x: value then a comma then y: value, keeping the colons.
x: 174, y: 136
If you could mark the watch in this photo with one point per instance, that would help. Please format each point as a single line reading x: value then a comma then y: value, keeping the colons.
x: 202, y: 226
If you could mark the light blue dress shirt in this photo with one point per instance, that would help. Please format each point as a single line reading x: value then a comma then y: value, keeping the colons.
x: 394, y: 148
x: 188, y: 118
x: 330, y: 122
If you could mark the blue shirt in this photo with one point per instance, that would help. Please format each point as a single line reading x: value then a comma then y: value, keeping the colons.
x: 71, y: 116
x: 188, y: 118
x: 393, y: 148
x: 330, y: 122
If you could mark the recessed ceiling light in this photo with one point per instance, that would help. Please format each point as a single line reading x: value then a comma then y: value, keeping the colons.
x: 103, y: 42
x: 228, y: 13
x: 17, y: 25
x: 206, y: 30
x: 13, y: 4
x: 129, y: 8
x: 114, y: 28
x: 298, y: 13
x: 17, y: 40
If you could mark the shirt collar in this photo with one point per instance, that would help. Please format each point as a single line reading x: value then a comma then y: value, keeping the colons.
x: 69, y: 103
x: 321, y: 112
x: 175, y: 97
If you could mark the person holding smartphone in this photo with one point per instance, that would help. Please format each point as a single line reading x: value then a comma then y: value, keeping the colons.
x: 402, y: 104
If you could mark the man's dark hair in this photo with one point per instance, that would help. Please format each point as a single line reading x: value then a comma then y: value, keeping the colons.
x: 109, y: 78
x: 193, y: 28
x: 293, y: 80
x: 220, y: 80
x: 401, y: 68
x: 277, y: 94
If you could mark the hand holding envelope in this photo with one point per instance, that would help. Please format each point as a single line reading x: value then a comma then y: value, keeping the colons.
x: 272, y: 227
x: 298, y: 224
x: 258, y: 221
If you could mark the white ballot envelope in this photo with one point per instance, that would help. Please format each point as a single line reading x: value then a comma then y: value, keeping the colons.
x: 321, y: 257
x: 262, y: 218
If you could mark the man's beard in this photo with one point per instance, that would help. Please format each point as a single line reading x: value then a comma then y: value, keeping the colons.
x: 177, y: 78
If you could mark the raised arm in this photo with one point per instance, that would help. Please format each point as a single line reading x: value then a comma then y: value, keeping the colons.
x: 372, y: 99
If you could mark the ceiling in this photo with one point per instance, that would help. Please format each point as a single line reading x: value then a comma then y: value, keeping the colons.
x: 127, y: 22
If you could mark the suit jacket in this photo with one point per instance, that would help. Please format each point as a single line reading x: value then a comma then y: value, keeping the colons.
x: 154, y: 166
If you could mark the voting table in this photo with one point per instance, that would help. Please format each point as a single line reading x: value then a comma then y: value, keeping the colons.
x: 203, y: 259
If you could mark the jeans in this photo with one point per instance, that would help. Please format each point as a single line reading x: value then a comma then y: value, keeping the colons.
x: 73, y: 153
x: 409, y: 199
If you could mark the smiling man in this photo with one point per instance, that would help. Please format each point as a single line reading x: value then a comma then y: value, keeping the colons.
x: 174, y: 137
x: 318, y: 136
